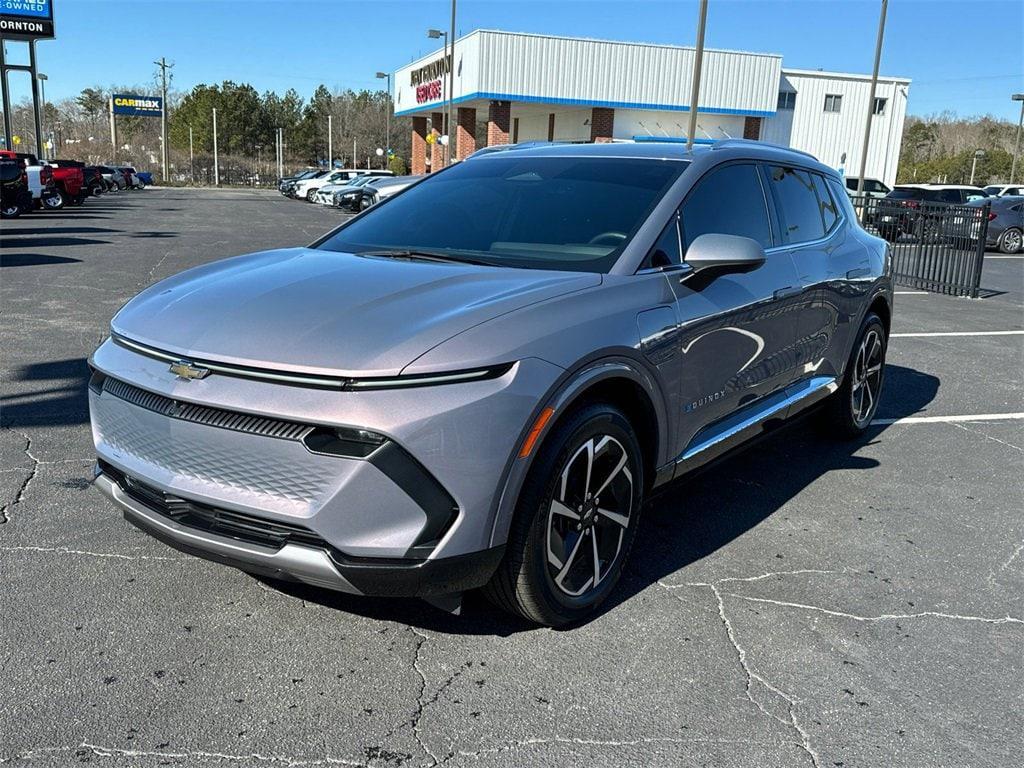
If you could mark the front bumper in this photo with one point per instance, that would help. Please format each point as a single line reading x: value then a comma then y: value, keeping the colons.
x: 370, y: 516
x: 309, y: 565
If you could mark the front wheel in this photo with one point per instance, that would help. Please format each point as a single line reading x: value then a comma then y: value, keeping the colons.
x: 10, y: 210
x: 855, y: 403
x: 575, y: 521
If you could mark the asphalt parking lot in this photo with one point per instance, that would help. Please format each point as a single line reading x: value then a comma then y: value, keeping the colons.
x: 808, y: 603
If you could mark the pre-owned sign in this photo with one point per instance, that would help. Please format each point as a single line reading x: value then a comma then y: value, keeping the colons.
x: 139, y: 106
x: 26, y: 19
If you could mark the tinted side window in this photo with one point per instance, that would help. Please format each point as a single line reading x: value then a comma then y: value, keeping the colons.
x: 728, y: 201
x: 801, y: 212
x: 829, y: 214
x: 950, y: 196
x: 842, y: 200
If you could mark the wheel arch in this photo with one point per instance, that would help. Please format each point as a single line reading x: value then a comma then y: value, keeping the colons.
x: 618, y: 381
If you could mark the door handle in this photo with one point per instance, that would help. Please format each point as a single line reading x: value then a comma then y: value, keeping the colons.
x: 785, y: 293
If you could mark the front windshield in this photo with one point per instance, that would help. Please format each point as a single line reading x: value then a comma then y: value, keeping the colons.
x: 562, y: 213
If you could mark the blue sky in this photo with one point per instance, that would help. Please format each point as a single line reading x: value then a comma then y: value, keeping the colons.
x: 963, y: 55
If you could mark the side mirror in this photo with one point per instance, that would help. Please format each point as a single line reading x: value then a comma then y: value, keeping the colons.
x: 724, y: 253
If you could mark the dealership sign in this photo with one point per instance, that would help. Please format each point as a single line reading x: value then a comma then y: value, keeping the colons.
x: 26, y: 19
x: 138, y: 106
x: 428, y: 91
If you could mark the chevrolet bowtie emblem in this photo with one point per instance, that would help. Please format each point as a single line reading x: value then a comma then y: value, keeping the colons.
x: 183, y: 369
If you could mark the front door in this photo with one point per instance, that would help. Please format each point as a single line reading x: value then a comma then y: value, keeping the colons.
x: 738, y: 331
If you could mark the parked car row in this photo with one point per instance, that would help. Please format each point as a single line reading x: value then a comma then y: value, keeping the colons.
x: 344, y: 188
x: 28, y: 183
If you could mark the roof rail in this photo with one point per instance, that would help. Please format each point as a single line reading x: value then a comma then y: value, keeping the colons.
x: 726, y: 143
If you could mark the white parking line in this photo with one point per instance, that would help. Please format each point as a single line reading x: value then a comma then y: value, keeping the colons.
x: 949, y: 419
x: 911, y: 293
x: 955, y: 333
x: 1004, y: 257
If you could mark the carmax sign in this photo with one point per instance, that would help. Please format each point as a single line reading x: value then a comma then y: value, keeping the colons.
x: 138, y: 106
x: 26, y: 19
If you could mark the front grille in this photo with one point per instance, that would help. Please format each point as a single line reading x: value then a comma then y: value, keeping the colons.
x: 222, y: 522
x: 201, y: 414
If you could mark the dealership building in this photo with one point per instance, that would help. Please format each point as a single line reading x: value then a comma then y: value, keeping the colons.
x: 512, y: 87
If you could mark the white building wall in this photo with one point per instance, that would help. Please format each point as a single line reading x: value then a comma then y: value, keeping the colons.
x: 567, y: 71
x: 828, y: 136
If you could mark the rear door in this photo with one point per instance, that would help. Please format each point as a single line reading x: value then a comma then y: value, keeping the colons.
x: 737, y: 330
x: 832, y: 265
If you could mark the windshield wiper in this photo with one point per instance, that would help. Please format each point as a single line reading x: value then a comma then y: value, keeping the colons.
x: 416, y: 253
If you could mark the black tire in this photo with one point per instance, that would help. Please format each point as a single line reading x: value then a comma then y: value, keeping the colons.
x: 848, y: 414
x: 10, y: 211
x: 526, y: 582
x: 54, y: 202
x: 1011, y: 241
x: 309, y: 195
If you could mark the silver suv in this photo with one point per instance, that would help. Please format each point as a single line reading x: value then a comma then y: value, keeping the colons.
x: 476, y: 382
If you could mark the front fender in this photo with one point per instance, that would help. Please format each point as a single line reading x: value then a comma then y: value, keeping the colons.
x: 567, y: 391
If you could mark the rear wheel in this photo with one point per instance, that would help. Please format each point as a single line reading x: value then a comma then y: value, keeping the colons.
x: 10, y: 210
x: 855, y: 403
x: 54, y: 201
x: 1010, y: 241
x: 575, y: 521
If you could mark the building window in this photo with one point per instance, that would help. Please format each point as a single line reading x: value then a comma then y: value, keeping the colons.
x: 833, y: 102
x: 880, y: 105
x: 787, y: 99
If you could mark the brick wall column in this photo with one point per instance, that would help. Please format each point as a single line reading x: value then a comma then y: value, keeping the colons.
x: 418, y: 161
x: 752, y: 128
x: 499, y: 121
x: 602, y: 124
x: 436, y: 150
x: 465, y: 133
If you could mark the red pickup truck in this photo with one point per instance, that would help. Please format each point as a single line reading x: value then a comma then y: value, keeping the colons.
x: 66, y: 181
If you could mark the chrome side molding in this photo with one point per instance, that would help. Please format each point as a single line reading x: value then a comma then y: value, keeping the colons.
x: 719, y: 438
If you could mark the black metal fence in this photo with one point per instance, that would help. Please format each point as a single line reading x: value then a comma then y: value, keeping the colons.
x: 938, y: 248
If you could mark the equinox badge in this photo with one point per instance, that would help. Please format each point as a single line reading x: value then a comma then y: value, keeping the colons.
x: 183, y: 369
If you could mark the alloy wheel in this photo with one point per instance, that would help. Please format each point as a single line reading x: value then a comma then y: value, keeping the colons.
x: 589, y: 515
x: 867, y: 376
x: 1012, y: 240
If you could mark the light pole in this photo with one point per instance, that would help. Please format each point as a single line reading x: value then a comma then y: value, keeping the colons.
x: 871, y: 97
x: 330, y: 142
x: 216, y: 159
x: 698, y: 63
x: 978, y: 153
x: 433, y: 34
x: 1016, y: 147
x: 164, y: 66
x: 191, y: 157
x: 42, y: 97
x: 387, y: 114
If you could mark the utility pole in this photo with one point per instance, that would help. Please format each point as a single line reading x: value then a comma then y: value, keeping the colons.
x: 451, y: 89
x: 387, y: 117
x: 871, y: 98
x: 1016, y: 147
x: 191, y: 157
x: 42, y: 95
x: 330, y: 142
x: 164, y: 66
x: 113, y: 133
x: 698, y: 63
x: 216, y: 160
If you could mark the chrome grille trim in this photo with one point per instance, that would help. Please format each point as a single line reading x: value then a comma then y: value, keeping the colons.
x: 202, y: 414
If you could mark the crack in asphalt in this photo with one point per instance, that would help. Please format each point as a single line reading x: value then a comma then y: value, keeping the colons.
x: 97, y: 750
x: 34, y: 470
x: 421, y: 706
x: 615, y: 743
x: 111, y: 555
x: 880, y: 617
x: 752, y: 676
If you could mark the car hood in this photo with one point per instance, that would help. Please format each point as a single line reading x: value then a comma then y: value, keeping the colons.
x: 316, y: 311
